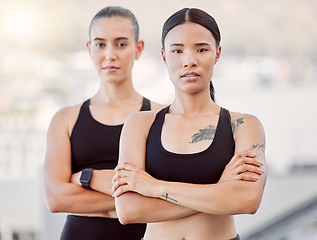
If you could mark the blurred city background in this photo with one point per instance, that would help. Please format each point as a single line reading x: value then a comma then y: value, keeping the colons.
x: 268, y: 68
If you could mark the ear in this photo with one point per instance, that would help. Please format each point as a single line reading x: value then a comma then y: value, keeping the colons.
x: 163, y: 55
x: 139, y: 49
x: 218, y: 53
x: 88, y: 45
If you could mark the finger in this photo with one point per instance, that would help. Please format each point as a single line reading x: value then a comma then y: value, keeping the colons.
x: 247, y: 177
x: 246, y: 154
x: 125, y: 166
x: 121, y: 174
x: 120, y: 190
x: 249, y: 168
x: 119, y: 182
x: 249, y: 160
x: 240, y: 157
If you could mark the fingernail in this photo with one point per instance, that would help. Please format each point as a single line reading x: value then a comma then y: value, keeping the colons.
x: 253, y: 154
x: 261, y: 162
x: 255, y: 178
x: 262, y: 170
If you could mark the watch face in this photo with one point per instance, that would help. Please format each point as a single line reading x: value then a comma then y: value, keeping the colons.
x: 85, y: 176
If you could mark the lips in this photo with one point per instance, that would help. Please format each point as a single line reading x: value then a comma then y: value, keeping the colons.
x: 110, y: 68
x: 190, y: 75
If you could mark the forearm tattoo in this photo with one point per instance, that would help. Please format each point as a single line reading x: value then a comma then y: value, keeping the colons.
x: 235, y: 125
x: 166, y: 197
x: 208, y: 133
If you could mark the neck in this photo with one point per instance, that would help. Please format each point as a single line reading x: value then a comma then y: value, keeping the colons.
x: 117, y: 92
x: 193, y: 104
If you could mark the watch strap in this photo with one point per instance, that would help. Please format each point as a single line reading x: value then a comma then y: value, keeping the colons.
x: 85, y: 177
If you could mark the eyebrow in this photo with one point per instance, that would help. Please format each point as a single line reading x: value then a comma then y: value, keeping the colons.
x: 116, y: 39
x: 202, y: 44
x: 196, y: 44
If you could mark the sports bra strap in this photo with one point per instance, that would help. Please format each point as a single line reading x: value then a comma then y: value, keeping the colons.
x: 146, y: 105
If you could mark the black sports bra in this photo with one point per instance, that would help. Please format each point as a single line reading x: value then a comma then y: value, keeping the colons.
x: 204, y: 167
x: 94, y: 144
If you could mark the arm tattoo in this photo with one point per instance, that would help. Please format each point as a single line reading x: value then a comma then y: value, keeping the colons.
x: 235, y: 125
x: 257, y: 147
x: 207, y: 133
x: 169, y: 198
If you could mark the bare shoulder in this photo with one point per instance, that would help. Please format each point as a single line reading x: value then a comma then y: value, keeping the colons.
x: 245, y: 116
x: 65, y: 118
x: 140, y: 121
x: 156, y: 106
x: 245, y: 122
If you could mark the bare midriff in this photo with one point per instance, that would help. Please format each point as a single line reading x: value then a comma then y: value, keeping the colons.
x: 199, y: 226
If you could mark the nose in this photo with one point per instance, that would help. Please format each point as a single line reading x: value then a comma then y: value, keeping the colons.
x: 189, y: 60
x: 110, y: 54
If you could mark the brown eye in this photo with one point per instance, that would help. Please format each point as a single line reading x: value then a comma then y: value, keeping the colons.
x: 202, y: 50
x: 121, y: 45
x: 177, y: 51
x: 99, y: 45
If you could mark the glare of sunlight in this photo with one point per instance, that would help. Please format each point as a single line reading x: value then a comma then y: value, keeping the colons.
x: 20, y: 24
x: 20, y: 21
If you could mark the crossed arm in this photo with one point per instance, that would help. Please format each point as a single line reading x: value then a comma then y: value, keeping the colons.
x: 139, y: 195
x: 61, y: 194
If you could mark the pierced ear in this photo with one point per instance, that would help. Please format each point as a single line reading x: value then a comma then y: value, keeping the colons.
x: 163, y: 55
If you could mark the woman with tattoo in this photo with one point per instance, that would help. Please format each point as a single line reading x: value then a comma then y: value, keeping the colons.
x: 189, y: 168
x: 83, y: 140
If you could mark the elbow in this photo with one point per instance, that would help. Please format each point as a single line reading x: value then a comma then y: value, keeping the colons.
x: 127, y: 215
x: 52, y: 206
x: 252, y: 204
x: 125, y: 218
x: 251, y: 209
x: 54, y: 203
x: 127, y: 212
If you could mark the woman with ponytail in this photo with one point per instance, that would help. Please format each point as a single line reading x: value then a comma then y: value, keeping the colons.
x: 186, y: 170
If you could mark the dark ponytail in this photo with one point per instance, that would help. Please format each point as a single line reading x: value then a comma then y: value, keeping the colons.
x: 212, y: 92
x: 196, y: 16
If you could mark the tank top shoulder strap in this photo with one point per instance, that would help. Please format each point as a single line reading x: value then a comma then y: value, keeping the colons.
x: 226, y: 115
x: 160, y: 115
x: 157, y: 124
x: 85, y: 105
x: 159, y: 118
x: 226, y: 119
x: 146, y: 105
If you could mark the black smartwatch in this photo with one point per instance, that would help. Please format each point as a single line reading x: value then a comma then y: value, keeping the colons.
x: 85, y: 177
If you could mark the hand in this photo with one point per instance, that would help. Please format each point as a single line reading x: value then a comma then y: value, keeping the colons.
x: 243, y: 166
x: 75, y: 178
x: 131, y: 178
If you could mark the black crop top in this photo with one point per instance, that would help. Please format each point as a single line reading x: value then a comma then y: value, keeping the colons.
x: 203, y: 167
x: 93, y: 144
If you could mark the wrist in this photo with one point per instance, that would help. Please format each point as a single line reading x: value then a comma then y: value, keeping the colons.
x: 166, y: 193
x: 75, y: 178
x: 101, y: 181
x: 85, y: 178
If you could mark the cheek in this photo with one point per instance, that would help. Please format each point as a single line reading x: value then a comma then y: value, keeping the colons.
x: 96, y: 56
x: 128, y: 56
x: 172, y: 62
